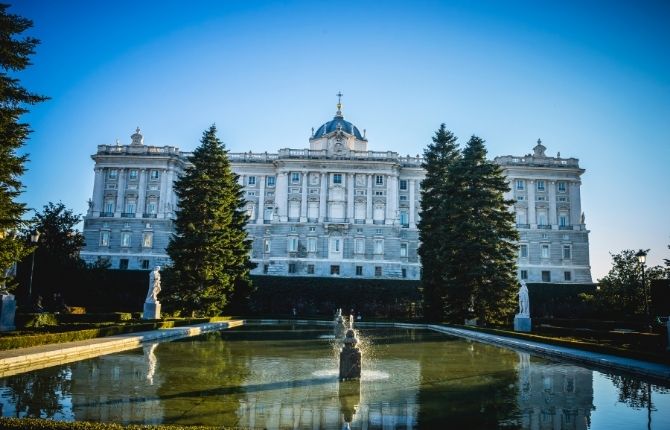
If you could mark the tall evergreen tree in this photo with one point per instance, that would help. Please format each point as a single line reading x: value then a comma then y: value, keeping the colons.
x: 209, y: 250
x: 14, y: 56
x: 436, y: 227
x: 485, y: 283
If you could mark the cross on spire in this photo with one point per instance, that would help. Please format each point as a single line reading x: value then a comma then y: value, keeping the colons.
x: 339, y: 103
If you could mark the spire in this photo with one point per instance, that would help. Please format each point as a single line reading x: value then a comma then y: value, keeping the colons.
x: 339, y: 103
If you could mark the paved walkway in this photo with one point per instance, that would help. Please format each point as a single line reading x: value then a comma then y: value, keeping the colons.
x: 13, y: 361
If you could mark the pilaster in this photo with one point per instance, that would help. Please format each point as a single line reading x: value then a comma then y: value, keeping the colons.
x: 260, y: 206
x: 142, y: 192
x: 531, y: 204
x: 281, y: 196
x: 350, y: 197
x: 303, y: 197
x: 120, y: 192
x: 412, y: 203
x: 368, y: 208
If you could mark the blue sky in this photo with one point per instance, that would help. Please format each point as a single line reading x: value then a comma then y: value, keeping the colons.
x: 592, y: 79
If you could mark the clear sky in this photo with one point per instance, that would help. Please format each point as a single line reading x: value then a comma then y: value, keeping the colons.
x: 592, y: 79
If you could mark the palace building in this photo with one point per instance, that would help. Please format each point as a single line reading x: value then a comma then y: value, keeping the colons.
x: 333, y: 209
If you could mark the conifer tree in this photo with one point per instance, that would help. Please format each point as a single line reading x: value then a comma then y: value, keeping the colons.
x: 14, y: 56
x: 209, y: 250
x: 436, y: 227
x: 484, y: 285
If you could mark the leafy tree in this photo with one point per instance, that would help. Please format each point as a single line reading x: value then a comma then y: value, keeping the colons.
x: 621, y: 290
x: 57, y: 262
x: 15, y: 55
x: 209, y: 250
x: 485, y: 241
x: 436, y: 229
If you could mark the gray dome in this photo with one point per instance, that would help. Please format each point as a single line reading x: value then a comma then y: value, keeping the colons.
x: 332, y: 125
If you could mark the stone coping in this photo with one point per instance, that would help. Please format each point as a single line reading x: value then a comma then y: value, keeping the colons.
x: 14, y: 361
x: 637, y: 367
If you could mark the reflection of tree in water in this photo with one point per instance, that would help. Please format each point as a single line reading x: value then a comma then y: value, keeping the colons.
x: 634, y: 392
x: 467, y: 383
x: 202, y: 379
x: 39, y: 394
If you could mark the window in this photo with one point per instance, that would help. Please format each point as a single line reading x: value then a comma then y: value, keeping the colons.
x: 337, y: 178
x: 266, y: 245
x: 152, y: 207
x: 524, y: 274
x: 379, y: 246
x: 359, y: 270
x: 379, y: 193
x: 546, y: 276
x: 130, y: 206
x: 293, y: 229
x: 113, y: 174
x: 147, y: 239
x: 312, y: 229
x: 104, y: 238
x: 132, y: 175
x: 292, y: 244
x: 335, y: 245
x: 154, y: 175
x: 403, y: 250
x: 378, y: 231
x: 562, y: 199
x: 379, y: 180
x: 251, y: 180
x: 545, y: 250
x: 265, y: 268
x: 311, y: 244
x: 403, y: 272
x: 520, y: 184
x: 523, y: 251
x: 403, y: 184
x: 520, y: 198
x: 378, y: 270
x: 334, y: 270
x: 270, y: 181
x: 561, y: 187
x: 125, y: 239
x: 567, y: 252
x: 123, y: 264
x: 563, y: 219
x: 291, y: 268
x: 403, y: 198
x: 144, y: 264
x: 540, y: 185
x: 310, y: 269
x: 542, y: 218
x: 359, y: 230
x: 359, y: 245
x: 109, y: 206
x: 404, y: 218
x: 295, y: 177
x: 567, y: 276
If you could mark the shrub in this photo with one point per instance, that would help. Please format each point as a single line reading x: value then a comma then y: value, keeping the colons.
x: 42, y: 424
x: 36, y: 320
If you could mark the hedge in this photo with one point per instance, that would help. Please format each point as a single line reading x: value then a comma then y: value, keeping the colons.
x: 42, y: 424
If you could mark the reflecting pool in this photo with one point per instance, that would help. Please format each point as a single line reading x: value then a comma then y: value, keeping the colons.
x: 286, y: 377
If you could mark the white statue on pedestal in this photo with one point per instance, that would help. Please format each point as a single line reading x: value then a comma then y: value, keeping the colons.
x: 524, y: 303
x: 154, y: 285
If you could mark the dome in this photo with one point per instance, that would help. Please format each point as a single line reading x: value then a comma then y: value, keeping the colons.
x: 338, y: 122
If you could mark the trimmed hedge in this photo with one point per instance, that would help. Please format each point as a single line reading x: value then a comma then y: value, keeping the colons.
x: 35, y: 320
x: 42, y: 424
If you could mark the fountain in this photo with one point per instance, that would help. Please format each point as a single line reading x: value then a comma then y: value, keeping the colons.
x: 339, y: 326
x: 350, y: 355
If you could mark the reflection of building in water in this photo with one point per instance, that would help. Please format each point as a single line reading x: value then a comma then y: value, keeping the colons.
x: 554, y: 396
x: 119, y: 387
x: 309, y: 396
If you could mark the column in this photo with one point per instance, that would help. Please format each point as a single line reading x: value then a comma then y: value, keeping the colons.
x: 260, y: 207
x: 391, y: 199
x: 142, y: 192
x: 575, y: 204
x: 169, y: 203
x: 350, y: 197
x: 323, y: 204
x: 98, y: 192
x: 281, y: 196
x: 120, y: 192
x: 303, y: 198
x: 553, y: 219
x: 412, y: 203
x: 162, y: 202
x: 531, y: 204
x: 368, y: 208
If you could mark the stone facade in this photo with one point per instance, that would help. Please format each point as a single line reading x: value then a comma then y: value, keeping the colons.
x: 335, y: 209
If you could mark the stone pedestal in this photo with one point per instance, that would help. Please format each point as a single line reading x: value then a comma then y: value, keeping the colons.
x: 350, y: 358
x: 522, y: 323
x: 7, y: 312
x: 152, y: 311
